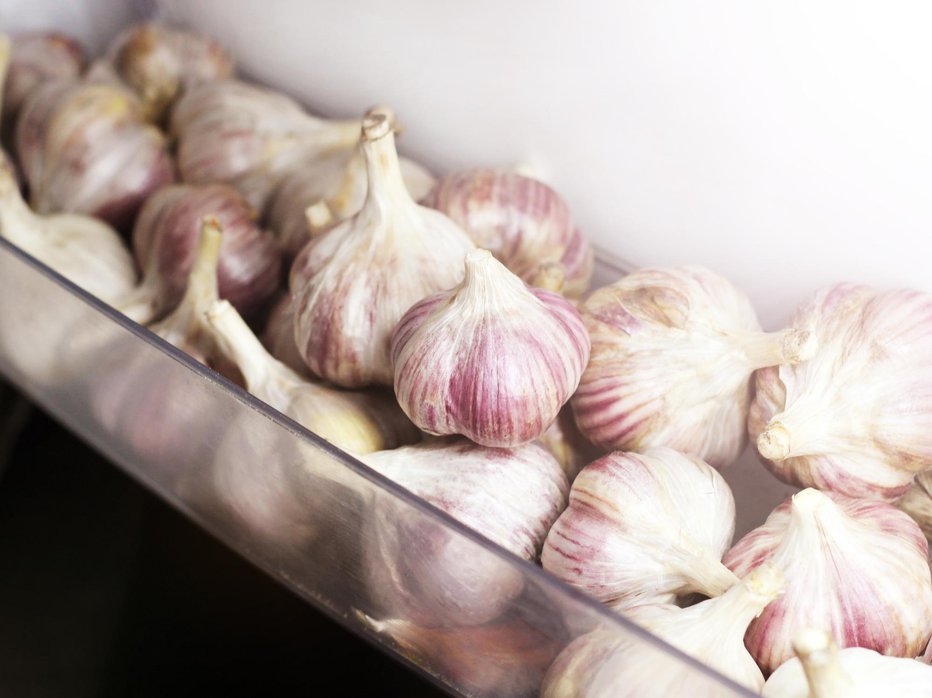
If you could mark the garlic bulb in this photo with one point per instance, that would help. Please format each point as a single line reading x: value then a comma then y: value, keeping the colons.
x: 917, y: 502
x: 165, y: 238
x: 522, y: 221
x: 352, y: 284
x: 643, y: 529
x: 356, y: 422
x: 507, y: 657
x: 604, y: 665
x: 339, y: 181
x: 490, y: 359
x: 821, y: 671
x: 567, y: 445
x: 37, y: 58
x: 159, y: 61
x: 419, y: 569
x: 673, y: 351
x: 229, y: 131
x: 278, y: 336
x: 85, y: 148
x: 86, y: 251
x: 856, y: 418
x: 857, y: 567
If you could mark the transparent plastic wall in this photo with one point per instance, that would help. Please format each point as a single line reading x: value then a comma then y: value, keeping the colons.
x: 346, y: 539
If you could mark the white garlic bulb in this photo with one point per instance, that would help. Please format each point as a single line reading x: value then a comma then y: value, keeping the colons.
x: 491, y: 359
x: 859, y: 568
x: 421, y: 571
x: 352, y: 284
x: 84, y: 250
x: 857, y: 417
x: 230, y: 131
x: 643, y: 529
x: 822, y: 671
x: 356, y: 422
x: 917, y: 502
x: 673, y: 351
x: 604, y: 665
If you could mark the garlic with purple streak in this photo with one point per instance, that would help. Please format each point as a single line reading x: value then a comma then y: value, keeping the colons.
x: 522, y: 221
x: 422, y: 571
x: 250, y: 137
x: 605, y: 664
x: 278, y: 335
x: 352, y: 284
x: 673, y: 352
x: 857, y: 417
x: 917, y: 502
x: 822, y: 671
x: 644, y: 529
x: 491, y: 359
x: 859, y: 568
x: 165, y: 238
x: 356, y: 422
x: 85, y: 148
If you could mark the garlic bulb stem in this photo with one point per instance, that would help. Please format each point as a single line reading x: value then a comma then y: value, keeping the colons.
x: 238, y: 342
x: 488, y: 283
x: 707, y: 573
x: 781, y: 437
x: 743, y: 602
x: 819, y: 657
x: 550, y: 276
x: 382, y: 166
x: 791, y: 346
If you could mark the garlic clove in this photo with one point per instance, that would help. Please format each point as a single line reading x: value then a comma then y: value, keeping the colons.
x: 854, y: 419
x: 604, y: 665
x: 644, y: 529
x: 165, y: 239
x: 857, y: 567
x: 519, y: 219
x: 352, y: 284
x: 917, y: 502
x: 491, y: 359
x: 159, y: 62
x: 822, y: 671
x: 673, y: 351
x: 356, y: 422
x: 249, y: 137
x: 420, y: 571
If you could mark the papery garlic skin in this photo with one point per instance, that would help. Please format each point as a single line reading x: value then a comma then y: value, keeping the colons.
x: 340, y: 181
x: 603, y: 664
x: 643, y: 529
x: 522, y: 221
x: 278, y: 336
x: 673, y: 351
x: 85, y: 148
x: 571, y: 449
x: 857, y: 417
x: 352, y: 284
x: 491, y: 359
x: 165, y: 239
x: 859, y: 568
x: 423, y: 572
x: 356, y: 422
x: 249, y: 137
x: 159, y: 61
x: 850, y: 673
x: 917, y: 502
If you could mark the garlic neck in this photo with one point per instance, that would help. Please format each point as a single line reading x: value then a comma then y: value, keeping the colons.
x: 488, y: 284
x: 815, y: 520
x: 708, y: 575
x: 763, y: 349
x: 733, y: 611
x: 819, y: 658
x: 18, y: 223
x: 240, y: 345
x: 797, y: 431
x: 386, y: 184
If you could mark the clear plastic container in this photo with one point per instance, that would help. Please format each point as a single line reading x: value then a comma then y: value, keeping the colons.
x: 310, y: 515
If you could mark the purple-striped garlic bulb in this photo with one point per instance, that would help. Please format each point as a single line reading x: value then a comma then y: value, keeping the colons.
x: 159, y: 62
x: 607, y: 664
x: 673, y: 352
x: 491, y: 359
x: 356, y: 422
x: 917, y: 502
x: 352, y: 284
x: 820, y: 670
x: 429, y: 575
x: 857, y: 417
x: 86, y: 148
x: 644, y: 529
x: 37, y: 58
x: 250, y: 137
x: 340, y: 182
x: 522, y: 221
x: 165, y: 239
x: 859, y: 568
x: 278, y: 335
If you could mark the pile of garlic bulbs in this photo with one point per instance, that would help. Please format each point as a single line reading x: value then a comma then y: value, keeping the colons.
x: 442, y: 330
